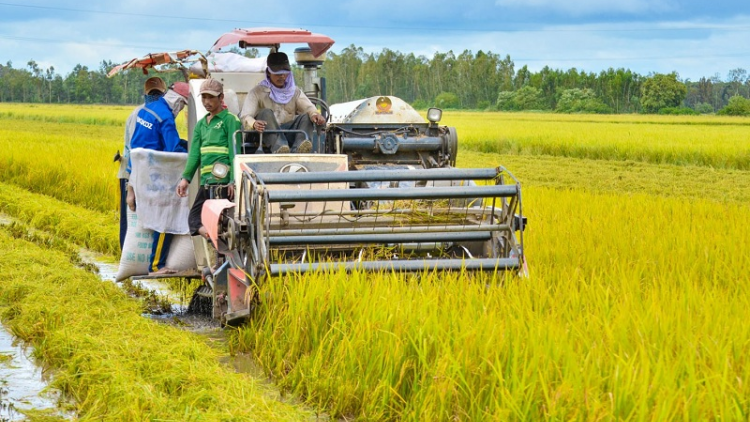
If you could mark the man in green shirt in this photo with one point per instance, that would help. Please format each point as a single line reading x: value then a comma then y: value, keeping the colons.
x: 210, y: 147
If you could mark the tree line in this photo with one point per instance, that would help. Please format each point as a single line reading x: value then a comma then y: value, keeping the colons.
x: 482, y: 80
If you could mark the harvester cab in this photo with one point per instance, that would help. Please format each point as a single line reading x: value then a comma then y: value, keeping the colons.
x: 379, y: 192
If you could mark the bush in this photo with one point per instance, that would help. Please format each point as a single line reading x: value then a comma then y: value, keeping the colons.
x: 420, y: 105
x: 581, y: 101
x: 738, y: 106
x: 526, y: 98
x: 447, y: 100
x: 704, y: 108
x: 505, y: 100
x: 679, y: 111
x: 483, y: 105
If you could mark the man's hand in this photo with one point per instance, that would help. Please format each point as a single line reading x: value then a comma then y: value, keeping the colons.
x: 182, y: 188
x: 318, y: 119
x: 259, y: 125
x: 130, y: 198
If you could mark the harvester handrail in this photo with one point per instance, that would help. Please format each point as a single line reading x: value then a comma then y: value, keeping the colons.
x: 457, y: 192
x: 379, y: 175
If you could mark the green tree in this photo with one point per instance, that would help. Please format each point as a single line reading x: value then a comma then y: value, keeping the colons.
x: 660, y: 91
x: 341, y: 72
x: 505, y: 101
x: 526, y: 98
x: 738, y: 106
x: 737, y: 78
x: 581, y: 101
x: 529, y: 98
x: 447, y: 100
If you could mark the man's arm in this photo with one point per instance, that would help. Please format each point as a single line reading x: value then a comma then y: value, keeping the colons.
x: 170, y: 136
x: 232, y: 124
x: 194, y: 155
x: 304, y: 105
x: 123, y: 172
x: 249, y: 109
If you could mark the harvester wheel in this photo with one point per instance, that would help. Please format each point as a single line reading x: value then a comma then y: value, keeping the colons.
x: 452, y: 146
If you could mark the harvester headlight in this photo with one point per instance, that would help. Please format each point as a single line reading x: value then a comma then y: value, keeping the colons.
x: 434, y: 114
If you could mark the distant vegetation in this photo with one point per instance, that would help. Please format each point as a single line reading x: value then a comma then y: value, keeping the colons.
x: 481, y: 81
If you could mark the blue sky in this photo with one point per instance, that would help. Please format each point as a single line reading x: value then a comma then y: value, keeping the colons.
x: 693, y: 38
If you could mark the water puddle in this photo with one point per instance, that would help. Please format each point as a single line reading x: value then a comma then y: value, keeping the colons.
x: 159, y: 289
x: 23, y: 385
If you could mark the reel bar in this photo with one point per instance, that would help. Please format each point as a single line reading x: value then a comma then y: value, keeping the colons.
x: 386, y: 238
x: 378, y: 175
x: 392, y: 194
x: 473, y: 211
x: 387, y: 230
x: 480, y: 264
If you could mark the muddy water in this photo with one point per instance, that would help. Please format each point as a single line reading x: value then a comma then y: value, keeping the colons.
x: 108, y: 272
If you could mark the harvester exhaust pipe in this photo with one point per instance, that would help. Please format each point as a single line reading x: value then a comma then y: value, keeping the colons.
x: 312, y: 85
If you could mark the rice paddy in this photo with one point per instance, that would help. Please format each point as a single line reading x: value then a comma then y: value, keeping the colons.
x: 635, y: 307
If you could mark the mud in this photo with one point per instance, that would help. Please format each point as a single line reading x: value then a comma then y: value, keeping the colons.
x: 178, y: 314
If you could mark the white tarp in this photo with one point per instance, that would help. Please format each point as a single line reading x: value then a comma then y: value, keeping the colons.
x: 231, y: 62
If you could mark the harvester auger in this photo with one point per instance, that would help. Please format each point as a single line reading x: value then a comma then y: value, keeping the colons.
x: 379, y: 192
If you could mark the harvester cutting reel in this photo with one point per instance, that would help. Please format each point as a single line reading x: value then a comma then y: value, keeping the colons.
x: 450, y: 223
x: 303, y: 222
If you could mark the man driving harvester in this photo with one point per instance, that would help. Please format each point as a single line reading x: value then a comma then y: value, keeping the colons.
x: 277, y: 103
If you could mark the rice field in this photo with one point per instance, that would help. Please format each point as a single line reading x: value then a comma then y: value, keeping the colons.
x: 635, y: 307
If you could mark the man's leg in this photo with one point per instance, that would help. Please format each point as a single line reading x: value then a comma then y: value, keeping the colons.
x: 301, y: 143
x: 159, y: 252
x: 273, y: 142
x: 123, y: 211
x: 194, y: 218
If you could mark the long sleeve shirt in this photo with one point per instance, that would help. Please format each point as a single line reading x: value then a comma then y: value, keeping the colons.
x: 211, y: 144
x: 155, y: 129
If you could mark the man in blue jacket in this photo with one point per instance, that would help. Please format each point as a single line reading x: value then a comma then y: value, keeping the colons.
x: 155, y: 129
x: 153, y: 89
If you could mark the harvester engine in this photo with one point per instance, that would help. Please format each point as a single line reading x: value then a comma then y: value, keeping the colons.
x: 386, y: 131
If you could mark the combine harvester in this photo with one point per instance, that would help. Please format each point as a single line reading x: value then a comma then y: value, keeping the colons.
x: 379, y: 192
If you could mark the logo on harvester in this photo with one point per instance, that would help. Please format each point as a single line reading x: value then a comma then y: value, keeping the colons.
x: 383, y: 105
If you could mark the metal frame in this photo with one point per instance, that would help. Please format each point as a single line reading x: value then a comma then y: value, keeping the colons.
x: 271, y: 230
